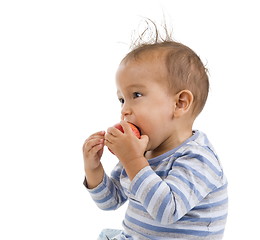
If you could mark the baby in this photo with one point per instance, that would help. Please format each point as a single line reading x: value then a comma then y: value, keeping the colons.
x: 171, y: 176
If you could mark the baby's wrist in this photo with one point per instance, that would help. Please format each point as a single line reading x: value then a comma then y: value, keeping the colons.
x: 94, y: 176
x: 134, y: 165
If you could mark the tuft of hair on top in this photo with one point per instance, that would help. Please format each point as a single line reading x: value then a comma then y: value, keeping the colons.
x: 150, y: 34
x: 184, y: 67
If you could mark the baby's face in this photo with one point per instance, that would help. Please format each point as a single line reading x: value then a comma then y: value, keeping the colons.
x: 145, y: 99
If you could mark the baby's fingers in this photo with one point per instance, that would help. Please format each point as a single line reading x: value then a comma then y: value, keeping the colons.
x: 99, y: 134
x: 92, y: 143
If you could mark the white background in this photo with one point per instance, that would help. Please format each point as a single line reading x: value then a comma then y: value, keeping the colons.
x: 57, y: 66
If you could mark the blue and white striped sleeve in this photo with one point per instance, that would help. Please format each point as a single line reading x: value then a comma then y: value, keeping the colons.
x: 191, y: 178
x: 108, y: 195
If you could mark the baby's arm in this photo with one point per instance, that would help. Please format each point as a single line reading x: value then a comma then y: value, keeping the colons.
x: 105, y: 191
x: 191, y: 178
x: 109, y: 194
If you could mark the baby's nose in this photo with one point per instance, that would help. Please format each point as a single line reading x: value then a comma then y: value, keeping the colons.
x: 125, y: 112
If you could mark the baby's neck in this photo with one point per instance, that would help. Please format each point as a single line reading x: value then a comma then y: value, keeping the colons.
x: 171, y: 143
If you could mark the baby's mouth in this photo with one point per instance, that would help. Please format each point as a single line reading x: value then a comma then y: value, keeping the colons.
x: 138, y: 129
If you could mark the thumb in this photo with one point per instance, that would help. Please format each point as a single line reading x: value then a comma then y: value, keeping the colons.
x: 144, y: 139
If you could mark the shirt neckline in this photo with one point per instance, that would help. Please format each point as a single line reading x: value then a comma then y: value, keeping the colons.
x: 172, y: 151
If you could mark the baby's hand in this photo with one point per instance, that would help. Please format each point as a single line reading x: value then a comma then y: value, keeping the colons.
x: 93, y: 150
x: 124, y: 144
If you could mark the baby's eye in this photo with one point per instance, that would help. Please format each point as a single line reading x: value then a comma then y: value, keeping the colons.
x: 121, y: 100
x: 137, y: 95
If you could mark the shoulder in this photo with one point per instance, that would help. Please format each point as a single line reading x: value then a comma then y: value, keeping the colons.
x: 199, y: 154
x: 198, y: 144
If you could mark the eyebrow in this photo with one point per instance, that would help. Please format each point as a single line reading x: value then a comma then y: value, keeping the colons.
x: 136, y: 85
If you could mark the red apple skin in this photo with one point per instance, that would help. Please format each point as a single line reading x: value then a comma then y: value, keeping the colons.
x: 133, y: 127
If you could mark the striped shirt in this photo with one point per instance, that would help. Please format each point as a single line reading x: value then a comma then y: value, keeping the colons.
x: 182, y: 194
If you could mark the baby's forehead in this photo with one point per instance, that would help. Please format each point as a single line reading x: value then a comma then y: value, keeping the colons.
x: 145, y: 63
x: 147, y: 54
x: 144, y: 70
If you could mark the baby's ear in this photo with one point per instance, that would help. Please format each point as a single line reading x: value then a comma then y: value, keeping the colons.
x: 183, y: 102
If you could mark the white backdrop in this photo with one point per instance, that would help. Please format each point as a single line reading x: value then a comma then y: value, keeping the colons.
x: 57, y: 66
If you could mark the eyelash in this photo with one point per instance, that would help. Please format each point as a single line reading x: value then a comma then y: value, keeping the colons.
x: 135, y: 95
